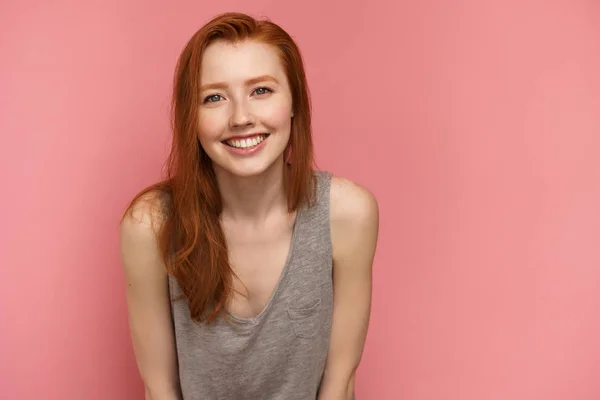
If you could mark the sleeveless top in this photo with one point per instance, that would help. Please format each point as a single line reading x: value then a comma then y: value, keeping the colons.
x: 280, y: 354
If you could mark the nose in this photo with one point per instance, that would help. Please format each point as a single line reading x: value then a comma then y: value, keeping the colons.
x: 241, y: 115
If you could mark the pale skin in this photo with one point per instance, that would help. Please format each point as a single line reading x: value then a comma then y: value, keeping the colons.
x: 256, y: 225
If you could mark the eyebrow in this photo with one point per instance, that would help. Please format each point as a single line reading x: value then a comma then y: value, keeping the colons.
x: 249, y: 82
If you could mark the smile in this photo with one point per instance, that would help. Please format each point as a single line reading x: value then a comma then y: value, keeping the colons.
x: 246, y: 143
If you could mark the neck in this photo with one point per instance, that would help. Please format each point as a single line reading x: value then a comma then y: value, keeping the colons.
x: 252, y: 198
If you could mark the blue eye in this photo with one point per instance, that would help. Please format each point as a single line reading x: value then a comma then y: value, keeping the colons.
x: 212, y: 98
x: 262, y: 90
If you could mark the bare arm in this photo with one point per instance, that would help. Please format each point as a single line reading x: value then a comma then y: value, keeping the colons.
x: 354, y: 232
x: 148, y: 302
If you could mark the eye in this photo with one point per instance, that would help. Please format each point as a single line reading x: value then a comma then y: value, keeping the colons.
x: 262, y: 90
x: 212, y: 98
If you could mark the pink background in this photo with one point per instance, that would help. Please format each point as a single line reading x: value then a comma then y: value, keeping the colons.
x: 476, y: 124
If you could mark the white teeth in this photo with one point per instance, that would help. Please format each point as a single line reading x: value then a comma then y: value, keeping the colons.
x: 246, y: 143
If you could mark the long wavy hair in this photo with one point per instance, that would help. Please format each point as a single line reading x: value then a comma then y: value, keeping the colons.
x: 190, y: 235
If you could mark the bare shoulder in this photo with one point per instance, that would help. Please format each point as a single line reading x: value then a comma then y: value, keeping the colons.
x: 138, y: 234
x: 145, y: 215
x: 354, y: 222
x: 352, y: 202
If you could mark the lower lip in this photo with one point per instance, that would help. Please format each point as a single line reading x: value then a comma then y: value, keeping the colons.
x: 248, y: 150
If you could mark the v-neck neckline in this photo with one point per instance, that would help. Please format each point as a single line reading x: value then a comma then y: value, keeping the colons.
x: 252, y: 321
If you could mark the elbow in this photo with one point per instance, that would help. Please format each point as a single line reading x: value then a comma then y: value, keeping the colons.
x: 338, y: 384
x: 343, y: 371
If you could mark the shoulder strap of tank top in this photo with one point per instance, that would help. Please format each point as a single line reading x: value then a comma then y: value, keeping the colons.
x: 315, y: 218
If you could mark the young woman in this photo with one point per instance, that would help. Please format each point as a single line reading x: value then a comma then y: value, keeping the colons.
x: 248, y: 271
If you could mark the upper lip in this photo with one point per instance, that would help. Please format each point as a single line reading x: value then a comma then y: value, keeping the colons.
x: 240, y: 137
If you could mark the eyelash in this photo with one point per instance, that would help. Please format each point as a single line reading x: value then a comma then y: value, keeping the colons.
x: 267, y: 90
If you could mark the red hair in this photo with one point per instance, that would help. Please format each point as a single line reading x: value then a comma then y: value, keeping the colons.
x: 190, y: 236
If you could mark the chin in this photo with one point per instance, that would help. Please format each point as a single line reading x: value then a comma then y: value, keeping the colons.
x: 249, y: 168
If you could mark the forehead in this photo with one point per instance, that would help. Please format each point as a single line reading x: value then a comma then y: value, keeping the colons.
x: 232, y: 62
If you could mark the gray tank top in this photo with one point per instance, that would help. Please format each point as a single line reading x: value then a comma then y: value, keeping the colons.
x: 280, y: 354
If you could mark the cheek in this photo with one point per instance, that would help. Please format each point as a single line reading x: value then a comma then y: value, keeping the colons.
x: 209, y: 125
x: 278, y: 115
